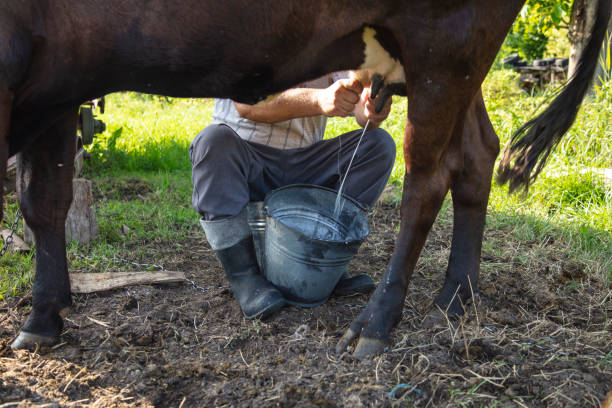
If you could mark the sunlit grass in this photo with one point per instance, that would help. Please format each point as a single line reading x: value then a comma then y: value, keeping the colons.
x: 146, y: 132
x: 571, y: 196
x: 15, y: 274
x: 15, y: 268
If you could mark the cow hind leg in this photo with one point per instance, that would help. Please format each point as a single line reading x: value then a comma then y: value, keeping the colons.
x: 45, y: 189
x: 470, y: 190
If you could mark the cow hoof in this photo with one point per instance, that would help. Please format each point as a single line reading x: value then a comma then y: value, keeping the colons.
x: 31, y: 341
x: 368, y: 348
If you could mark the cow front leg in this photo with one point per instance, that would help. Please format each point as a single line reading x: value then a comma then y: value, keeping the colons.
x: 45, y: 171
x: 429, y: 167
x: 470, y: 191
x: 6, y: 102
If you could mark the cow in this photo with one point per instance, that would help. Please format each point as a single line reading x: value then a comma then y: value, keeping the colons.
x: 56, y: 54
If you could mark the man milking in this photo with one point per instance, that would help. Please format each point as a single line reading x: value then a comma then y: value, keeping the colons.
x: 249, y: 150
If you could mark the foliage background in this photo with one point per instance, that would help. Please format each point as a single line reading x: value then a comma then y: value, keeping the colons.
x: 539, y: 25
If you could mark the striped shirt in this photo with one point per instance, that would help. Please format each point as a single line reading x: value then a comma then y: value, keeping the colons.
x: 289, y: 134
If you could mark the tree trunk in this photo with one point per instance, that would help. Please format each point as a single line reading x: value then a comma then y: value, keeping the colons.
x: 581, y: 23
x: 81, y: 224
x: 604, y: 69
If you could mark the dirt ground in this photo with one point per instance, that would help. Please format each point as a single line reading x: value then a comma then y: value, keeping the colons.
x: 539, y: 338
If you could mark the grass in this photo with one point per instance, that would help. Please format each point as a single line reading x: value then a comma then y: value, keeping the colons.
x: 156, y: 212
x: 147, y: 138
x: 148, y: 133
x: 570, y: 200
x: 16, y: 270
x: 15, y: 274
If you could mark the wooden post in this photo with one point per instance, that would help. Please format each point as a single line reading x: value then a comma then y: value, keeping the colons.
x: 9, y: 180
x: 81, y: 224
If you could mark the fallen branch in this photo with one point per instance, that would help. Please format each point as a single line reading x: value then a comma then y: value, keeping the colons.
x: 98, y: 282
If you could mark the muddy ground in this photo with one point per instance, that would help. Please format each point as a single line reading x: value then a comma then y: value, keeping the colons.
x: 539, y: 338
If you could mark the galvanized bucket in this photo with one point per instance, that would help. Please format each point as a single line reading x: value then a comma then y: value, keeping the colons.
x: 306, y: 249
x: 257, y: 224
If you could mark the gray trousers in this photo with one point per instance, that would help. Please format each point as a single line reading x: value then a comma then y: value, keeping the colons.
x: 228, y: 172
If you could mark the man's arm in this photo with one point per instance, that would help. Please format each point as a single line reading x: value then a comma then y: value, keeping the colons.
x: 339, y: 99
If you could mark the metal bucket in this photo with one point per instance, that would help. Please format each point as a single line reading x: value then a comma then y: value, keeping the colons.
x: 257, y: 224
x: 307, y: 250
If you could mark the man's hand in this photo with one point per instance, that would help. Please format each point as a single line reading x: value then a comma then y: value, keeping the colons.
x: 340, y: 98
x: 369, y: 107
x: 365, y: 110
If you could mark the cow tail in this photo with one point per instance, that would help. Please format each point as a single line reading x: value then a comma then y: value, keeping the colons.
x: 526, y: 155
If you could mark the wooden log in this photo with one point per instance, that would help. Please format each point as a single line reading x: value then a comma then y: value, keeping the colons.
x: 81, y: 224
x: 98, y: 282
x: 17, y: 244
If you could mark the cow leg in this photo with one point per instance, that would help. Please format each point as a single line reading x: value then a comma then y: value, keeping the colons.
x: 431, y: 161
x: 6, y: 102
x: 45, y: 188
x: 470, y: 191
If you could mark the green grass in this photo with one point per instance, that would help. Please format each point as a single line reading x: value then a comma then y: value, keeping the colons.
x: 164, y: 204
x: 147, y: 138
x: 15, y: 274
x: 156, y: 215
x: 16, y: 270
x: 148, y: 133
x: 570, y: 200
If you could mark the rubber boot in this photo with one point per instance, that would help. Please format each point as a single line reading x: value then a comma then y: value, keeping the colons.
x: 350, y: 285
x: 232, y: 241
x: 257, y: 297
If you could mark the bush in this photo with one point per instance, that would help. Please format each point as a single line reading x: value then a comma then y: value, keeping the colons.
x: 532, y: 30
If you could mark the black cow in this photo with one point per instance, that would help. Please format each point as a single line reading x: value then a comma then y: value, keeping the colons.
x: 56, y: 54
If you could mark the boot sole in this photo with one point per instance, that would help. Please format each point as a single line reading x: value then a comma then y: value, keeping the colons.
x: 269, y: 311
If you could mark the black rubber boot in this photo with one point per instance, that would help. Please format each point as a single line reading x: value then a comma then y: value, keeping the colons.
x: 257, y: 297
x: 350, y: 285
